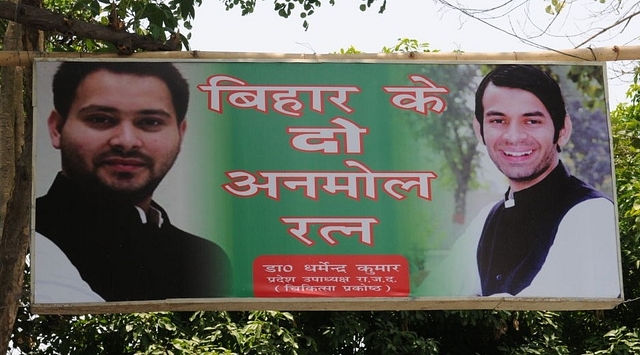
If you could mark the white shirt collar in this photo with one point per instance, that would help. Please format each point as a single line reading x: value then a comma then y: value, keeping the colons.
x: 154, y: 215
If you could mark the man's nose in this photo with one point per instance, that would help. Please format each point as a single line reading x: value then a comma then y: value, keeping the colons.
x: 514, y: 133
x: 126, y: 136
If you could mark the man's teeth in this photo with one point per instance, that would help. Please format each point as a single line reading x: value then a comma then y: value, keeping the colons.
x: 518, y: 154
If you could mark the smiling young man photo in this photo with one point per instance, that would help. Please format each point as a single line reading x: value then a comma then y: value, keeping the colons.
x: 99, y: 234
x: 552, y: 235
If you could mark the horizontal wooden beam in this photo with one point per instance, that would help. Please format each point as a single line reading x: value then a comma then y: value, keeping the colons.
x: 602, y: 54
x: 333, y: 304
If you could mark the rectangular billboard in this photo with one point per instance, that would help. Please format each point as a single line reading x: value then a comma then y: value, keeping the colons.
x: 322, y: 185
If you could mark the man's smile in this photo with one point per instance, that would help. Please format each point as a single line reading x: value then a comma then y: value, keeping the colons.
x: 517, y: 153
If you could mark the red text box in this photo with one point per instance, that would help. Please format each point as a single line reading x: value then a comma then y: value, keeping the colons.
x: 331, y: 276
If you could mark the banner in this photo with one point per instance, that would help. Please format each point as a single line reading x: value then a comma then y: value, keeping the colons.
x: 322, y: 185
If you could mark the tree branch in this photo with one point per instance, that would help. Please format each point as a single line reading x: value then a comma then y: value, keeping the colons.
x: 620, y: 21
x: 46, y: 20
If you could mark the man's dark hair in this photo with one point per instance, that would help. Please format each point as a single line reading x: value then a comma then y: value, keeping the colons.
x: 70, y: 75
x: 528, y: 78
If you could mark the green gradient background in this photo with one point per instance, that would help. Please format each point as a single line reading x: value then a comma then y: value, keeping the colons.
x: 249, y: 140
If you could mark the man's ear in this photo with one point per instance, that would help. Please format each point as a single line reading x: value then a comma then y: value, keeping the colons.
x: 182, y: 127
x: 565, y: 132
x: 478, y: 130
x: 55, y: 122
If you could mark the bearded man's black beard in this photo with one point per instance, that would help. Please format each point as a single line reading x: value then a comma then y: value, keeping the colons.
x: 91, y: 185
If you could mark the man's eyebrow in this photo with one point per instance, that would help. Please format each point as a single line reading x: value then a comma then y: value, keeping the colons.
x: 493, y: 113
x: 97, y: 108
x: 111, y: 109
x: 154, y: 112
x: 534, y: 114
x: 526, y: 114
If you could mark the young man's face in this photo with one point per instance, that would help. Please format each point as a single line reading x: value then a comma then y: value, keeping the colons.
x: 121, y: 134
x: 518, y: 133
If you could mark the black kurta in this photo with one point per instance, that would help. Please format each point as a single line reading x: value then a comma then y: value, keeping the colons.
x: 515, y: 240
x: 123, y: 259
